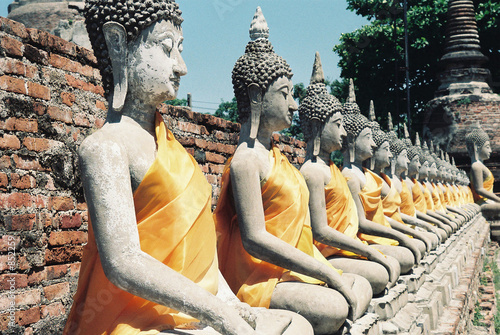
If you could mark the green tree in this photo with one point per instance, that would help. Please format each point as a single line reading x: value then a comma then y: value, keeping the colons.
x: 373, y: 54
x: 228, y: 110
x: 177, y: 102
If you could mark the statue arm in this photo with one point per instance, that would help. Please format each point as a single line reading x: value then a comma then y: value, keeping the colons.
x: 372, y: 228
x: 403, y: 228
x: 107, y: 187
x: 261, y: 244
x: 420, y: 223
x: 477, y: 181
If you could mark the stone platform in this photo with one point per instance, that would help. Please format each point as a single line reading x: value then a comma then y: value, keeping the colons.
x: 438, y: 297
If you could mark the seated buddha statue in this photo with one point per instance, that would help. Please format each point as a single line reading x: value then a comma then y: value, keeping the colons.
x: 366, y: 188
x: 265, y: 246
x: 482, y: 180
x: 448, y: 198
x: 150, y: 264
x: 334, y: 218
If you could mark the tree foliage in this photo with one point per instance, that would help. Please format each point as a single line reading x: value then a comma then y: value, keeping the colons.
x: 373, y: 55
x: 228, y: 110
x: 177, y: 102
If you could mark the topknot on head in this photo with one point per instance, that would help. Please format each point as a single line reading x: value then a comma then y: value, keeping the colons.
x: 351, y: 107
x: 379, y: 136
x: 259, y: 27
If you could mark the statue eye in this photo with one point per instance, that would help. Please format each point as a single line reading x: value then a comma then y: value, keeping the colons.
x: 181, y: 47
x: 167, y: 45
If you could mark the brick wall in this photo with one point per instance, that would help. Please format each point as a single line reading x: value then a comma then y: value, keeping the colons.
x: 50, y: 100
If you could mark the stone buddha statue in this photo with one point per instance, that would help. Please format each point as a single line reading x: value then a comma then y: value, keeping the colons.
x: 366, y: 188
x: 389, y: 155
x: 147, y: 269
x: 334, y: 217
x: 479, y: 149
x: 266, y: 250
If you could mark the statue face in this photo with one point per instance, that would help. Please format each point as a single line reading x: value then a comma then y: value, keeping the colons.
x: 383, y: 155
x: 414, y: 165
x: 433, y: 171
x: 278, y: 104
x: 485, y: 151
x: 424, y: 169
x: 402, y: 161
x: 333, y: 133
x: 364, y: 145
x: 155, y: 63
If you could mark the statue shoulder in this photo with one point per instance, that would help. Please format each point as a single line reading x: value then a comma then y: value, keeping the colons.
x: 104, y: 144
x: 316, y: 173
x: 352, y: 179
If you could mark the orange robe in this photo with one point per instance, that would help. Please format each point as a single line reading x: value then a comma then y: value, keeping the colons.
x: 341, y: 212
x: 370, y: 196
x: 407, y: 203
x: 428, y: 198
x: 175, y: 225
x: 392, y: 201
x: 487, y: 185
x: 418, y: 197
x: 285, y: 199
x: 436, y: 197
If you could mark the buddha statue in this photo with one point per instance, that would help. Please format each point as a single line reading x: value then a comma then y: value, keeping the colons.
x: 147, y: 268
x: 386, y: 158
x: 266, y: 250
x: 366, y: 188
x: 412, y: 183
x: 334, y: 217
x: 479, y: 149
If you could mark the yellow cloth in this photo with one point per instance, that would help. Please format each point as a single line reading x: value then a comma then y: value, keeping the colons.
x: 436, y: 198
x: 441, y: 195
x: 418, y: 197
x: 447, y: 196
x: 173, y: 211
x: 407, y: 205
x: 428, y: 198
x: 341, y: 212
x: 392, y: 201
x: 285, y: 199
x: 487, y: 185
x: 370, y: 196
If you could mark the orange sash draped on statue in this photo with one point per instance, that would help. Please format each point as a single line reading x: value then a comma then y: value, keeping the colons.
x: 285, y: 198
x: 487, y: 185
x: 175, y: 224
x: 392, y: 201
x: 407, y: 205
x: 436, y: 198
x: 418, y: 197
x: 428, y: 198
x: 341, y: 212
x: 370, y: 196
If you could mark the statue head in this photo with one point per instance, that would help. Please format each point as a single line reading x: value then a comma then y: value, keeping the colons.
x: 258, y: 72
x: 414, y: 157
x: 478, y: 143
x: 425, y: 161
x: 320, y: 114
x: 130, y: 36
x: 433, y: 163
x: 399, y: 149
x: 359, y: 144
x: 382, y: 153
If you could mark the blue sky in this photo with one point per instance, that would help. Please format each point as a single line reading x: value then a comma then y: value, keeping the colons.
x: 216, y: 33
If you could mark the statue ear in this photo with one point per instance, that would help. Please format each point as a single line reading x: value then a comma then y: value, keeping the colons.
x: 372, y: 163
x: 476, y: 152
x: 352, y: 151
x: 116, y: 41
x: 316, y: 130
x: 255, y: 96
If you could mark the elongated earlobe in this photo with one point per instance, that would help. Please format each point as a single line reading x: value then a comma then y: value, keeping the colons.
x: 255, y: 95
x: 352, y: 152
x: 316, y: 130
x: 116, y: 41
x: 476, y: 152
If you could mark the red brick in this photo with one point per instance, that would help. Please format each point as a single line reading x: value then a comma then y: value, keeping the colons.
x: 99, y: 122
x: 20, y: 222
x: 22, y: 181
x: 56, y: 271
x: 215, y: 158
x: 81, y: 206
x: 9, y: 241
x: 39, y: 108
x: 4, y: 160
x: 81, y: 120
x: 68, y: 98
x: 37, y: 277
x: 74, y: 269
x: 12, y: 46
x: 36, y: 55
x: 58, y: 238
x: 31, y: 297
x: 53, y: 310
x: 16, y: 200
x: 38, y: 91
x: 9, y: 142
x: 200, y: 143
x: 69, y: 221
x: 56, y: 291
x: 69, y: 253
x: 87, y: 54
x: 17, y: 124
x: 13, y: 280
x: 11, y: 84
x: 43, y: 220
x: 226, y: 148
x: 29, y: 331
x: 6, y: 262
x: 64, y: 115
x: 101, y: 105
x: 221, y: 136
x: 40, y: 144
x: 192, y: 128
x: 14, y: 66
x: 69, y: 65
x: 4, y: 179
x: 22, y: 263
x: 40, y: 201
x: 28, y: 317
x: 13, y: 27
x: 61, y: 203
x: 27, y: 163
x: 216, y: 169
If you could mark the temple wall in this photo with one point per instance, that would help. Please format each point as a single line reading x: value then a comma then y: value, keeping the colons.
x: 50, y: 100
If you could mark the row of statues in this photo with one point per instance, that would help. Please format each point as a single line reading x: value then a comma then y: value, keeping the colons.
x: 285, y: 251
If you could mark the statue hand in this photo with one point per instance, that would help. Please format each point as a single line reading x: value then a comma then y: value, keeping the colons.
x: 378, y: 257
x: 247, y: 313
x: 436, y: 231
x: 271, y: 323
x: 344, y: 287
x: 407, y: 242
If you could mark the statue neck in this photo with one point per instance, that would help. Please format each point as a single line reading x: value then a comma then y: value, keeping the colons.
x: 263, y: 136
x: 323, y: 156
x: 136, y: 111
